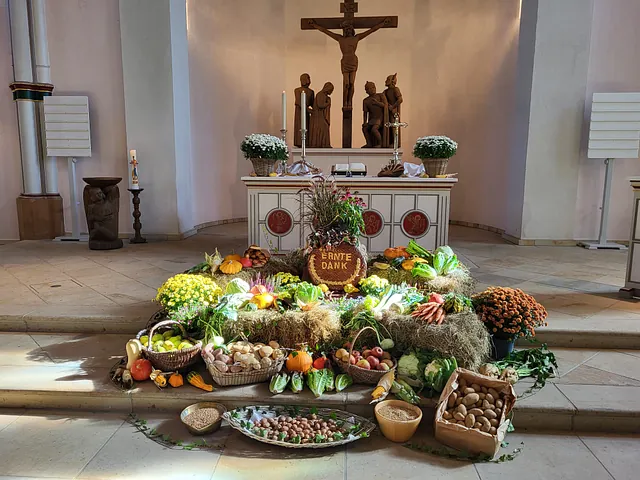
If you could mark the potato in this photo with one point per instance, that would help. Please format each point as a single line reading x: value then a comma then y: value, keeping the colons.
x: 489, y: 398
x: 477, y: 425
x: 478, y: 403
x: 470, y: 420
x: 458, y: 416
x: 490, y: 414
x: 484, y: 389
x: 481, y: 395
x: 463, y: 383
x: 273, y: 344
x: 498, y: 411
x: 462, y: 409
x: 266, y: 352
x: 447, y: 415
x: 499, y: 403
x: 470, y: 399
x: 486, y: 405
x: 493, y: 430
x: 235, y: 368
x: 494, y: 422
x: 476, y: 411
x: 452, y: 399
x: 486, y: 425
x: 468, y: 390
x: 221, y: 366
x: 461, y: 422
x: 476, y: 387
x: 493, y: 393
x: 458, y: 400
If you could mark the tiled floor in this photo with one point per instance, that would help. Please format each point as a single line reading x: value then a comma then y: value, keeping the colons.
x: 40, y: 444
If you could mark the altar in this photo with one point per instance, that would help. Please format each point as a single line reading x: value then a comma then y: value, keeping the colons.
x: 398, y: 210
x: 324, y: 158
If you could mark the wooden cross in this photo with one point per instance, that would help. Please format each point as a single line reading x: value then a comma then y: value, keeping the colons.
x: 348, y: 42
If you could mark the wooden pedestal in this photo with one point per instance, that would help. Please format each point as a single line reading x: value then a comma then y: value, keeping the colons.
x: 40, y: 217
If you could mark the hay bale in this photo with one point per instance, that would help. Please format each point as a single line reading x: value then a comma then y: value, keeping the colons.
x: 318, y: 326
x: 462, y: 335
x: 458, y: 281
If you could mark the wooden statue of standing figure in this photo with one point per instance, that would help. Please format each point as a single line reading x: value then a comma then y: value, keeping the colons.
x: 305, y: 81
x: 394, y: 99
x: 320, y: 125
x: 375, y: 114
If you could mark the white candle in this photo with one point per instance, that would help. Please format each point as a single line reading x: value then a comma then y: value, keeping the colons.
x: 284, y: 110
x: 303, y: 110
x: 134, y: 169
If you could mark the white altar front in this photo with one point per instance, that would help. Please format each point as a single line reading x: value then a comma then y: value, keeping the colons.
x: 398, y: 209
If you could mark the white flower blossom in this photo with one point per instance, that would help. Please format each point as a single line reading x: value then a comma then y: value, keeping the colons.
x: 262, y: 145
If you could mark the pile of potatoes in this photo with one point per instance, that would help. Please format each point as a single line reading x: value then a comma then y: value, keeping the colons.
x: 475, y: 407
x: 243, y: 356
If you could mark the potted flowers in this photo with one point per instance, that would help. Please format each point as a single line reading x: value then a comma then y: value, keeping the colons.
x: 435, y: 151
x: 508, y: 313
x: 264, y: 151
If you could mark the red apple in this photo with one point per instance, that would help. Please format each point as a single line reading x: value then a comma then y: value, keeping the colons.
x: 141, y: 369
x: 352, y: 360
x: 377, y: 352
x: 386, y: 356
x: 363, y: 364
x: 366, y: 353
x: 246, y: 262
x: 356, y: 354
x: 373, y: 361
x: 383, y: 367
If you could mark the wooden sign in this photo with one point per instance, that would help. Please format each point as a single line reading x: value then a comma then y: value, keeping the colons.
x: 337, y: 267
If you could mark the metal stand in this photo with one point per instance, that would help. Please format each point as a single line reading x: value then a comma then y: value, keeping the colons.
x: 604, y: 219
x: 302, y: 167
x: 137, y: 238
x: 75, y: 207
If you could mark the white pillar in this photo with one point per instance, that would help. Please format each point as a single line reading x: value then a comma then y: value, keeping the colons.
x: 22, y: 72
x: 43, y: 75
x: 553, y: 63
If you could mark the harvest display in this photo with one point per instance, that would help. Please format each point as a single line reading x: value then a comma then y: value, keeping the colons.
x: 402, y: 324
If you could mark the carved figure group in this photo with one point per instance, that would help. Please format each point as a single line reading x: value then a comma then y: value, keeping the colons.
x: 378, y: 109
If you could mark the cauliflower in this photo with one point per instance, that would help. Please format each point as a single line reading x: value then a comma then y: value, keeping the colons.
x: 409, y: 366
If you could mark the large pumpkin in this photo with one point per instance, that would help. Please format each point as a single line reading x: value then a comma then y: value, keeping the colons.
x: 233, y: 256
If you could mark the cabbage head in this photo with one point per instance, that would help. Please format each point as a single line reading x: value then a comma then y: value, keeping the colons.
x: 237, y: 285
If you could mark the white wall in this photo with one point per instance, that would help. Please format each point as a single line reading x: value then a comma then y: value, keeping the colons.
x: 455, y: 63
x: 614, y: 67
x: 10, y: 170
x: 84, y: 48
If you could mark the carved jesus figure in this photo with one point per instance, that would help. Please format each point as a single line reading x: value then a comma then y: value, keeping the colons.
x: 348, y: 42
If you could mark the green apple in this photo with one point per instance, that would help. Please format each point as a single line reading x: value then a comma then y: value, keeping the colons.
x: 157, y: 338
x: 184, y: 345
x: 175, y: 340
x: 160, y: 348
x: 144, y: 340
x: 167, y: 335
x: 169, y: 345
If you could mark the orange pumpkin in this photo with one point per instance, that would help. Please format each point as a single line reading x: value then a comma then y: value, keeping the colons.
x: 408, y: 264
x: 233, y: 256
x: 299, y: 361
x: 395, y: 252
x: 230, y: 267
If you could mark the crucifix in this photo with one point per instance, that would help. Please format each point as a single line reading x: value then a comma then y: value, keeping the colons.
x: 396, y: 124
x: 348, y: 42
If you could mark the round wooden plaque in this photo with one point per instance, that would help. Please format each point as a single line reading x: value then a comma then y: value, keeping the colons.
x: 337, y: 266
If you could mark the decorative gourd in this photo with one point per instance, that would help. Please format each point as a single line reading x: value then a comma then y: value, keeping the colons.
x: 230, y: 267
x: 408, y: 264
x: 134, y: 352
x: 299, y: 361
x: 160, y: 380
x: 233, y: 256
x: 395, y: 252
x: 141, y: 369
x: 175, y: 380
x: 196, y: 380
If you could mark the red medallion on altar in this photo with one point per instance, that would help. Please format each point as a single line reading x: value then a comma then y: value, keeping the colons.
x: 372, y: 223
x: 415, y: 224
x: 279, y: 222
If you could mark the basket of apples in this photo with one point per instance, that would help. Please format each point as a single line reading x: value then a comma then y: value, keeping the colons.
x: 366, y: 366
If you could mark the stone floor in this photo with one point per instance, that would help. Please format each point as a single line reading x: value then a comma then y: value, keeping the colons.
x: 41, y: 444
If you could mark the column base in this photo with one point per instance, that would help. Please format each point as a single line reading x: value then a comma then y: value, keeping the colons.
x: 40, y: 217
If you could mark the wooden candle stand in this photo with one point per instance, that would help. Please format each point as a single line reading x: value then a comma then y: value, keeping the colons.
x: 137, y: 238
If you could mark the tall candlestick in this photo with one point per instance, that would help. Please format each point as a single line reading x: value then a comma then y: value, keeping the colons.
x: 303, y: 110
x: 284, y: 110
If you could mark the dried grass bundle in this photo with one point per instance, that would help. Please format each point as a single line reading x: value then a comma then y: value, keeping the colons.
x: 462, y: 335
x: 458, y: 281
x: 316, y: 327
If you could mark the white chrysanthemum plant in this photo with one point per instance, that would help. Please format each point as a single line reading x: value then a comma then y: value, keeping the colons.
x: 262, y: 145
x: 435, y: 146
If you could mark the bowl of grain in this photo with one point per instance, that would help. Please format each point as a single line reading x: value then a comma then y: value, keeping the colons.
x: 202, y: 418
x: 398, y: 420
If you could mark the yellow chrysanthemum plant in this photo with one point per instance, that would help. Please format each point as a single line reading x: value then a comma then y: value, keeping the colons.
x: 184, y: 290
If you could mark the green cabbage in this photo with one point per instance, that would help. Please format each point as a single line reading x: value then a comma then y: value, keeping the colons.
x: 237, y: 285
x: 425, y: 271
x: 409, y: 366
x: 446, y: 249
x: 307, y: 293
x: 437, y: 373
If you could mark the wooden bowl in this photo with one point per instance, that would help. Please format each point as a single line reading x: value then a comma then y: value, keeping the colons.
x: 398, y: 431
x: 215, y: 426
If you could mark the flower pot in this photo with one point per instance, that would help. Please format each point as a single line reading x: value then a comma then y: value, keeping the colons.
x: 435, y: 166
x: 263, y: 166
x: 501, y: 347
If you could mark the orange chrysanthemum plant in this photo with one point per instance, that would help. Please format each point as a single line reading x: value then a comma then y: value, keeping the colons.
x: 509, y: 313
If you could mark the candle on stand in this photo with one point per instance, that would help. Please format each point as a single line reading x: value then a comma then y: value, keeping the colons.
x: 284, y: 110
x: 134, y: 169
x: 303, y: 110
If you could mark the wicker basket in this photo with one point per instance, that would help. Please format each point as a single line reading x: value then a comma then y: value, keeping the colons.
x: 361, y: 375
x: 263, y: 166
x: 170, y: 361
x: 435, y: 166
x: 245, y: 378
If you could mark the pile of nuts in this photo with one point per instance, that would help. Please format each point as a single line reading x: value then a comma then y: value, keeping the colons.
x: 299, y: 429
x: 475, y: 407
